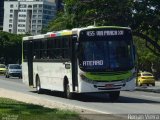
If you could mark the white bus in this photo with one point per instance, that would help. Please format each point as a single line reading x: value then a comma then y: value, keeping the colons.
x: 81, y: 60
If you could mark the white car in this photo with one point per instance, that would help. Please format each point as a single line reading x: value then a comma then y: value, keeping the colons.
x: 14, y: 70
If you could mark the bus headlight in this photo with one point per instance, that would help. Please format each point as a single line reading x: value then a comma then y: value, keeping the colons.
x: 84, y: 78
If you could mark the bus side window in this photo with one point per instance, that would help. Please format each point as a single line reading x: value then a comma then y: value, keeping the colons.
x: 36, y: 49
x: 57, y: 48
x: 50, y: 46
x: 65, y: 47
x: 43, y: 49
x: 25, y: 47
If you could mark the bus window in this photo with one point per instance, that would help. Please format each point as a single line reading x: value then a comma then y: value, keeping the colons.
x: 65, y: 48
x: 25, y: 47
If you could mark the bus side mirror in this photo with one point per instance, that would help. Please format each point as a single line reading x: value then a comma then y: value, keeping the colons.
x: 75, y: 44
x: 74, y: 38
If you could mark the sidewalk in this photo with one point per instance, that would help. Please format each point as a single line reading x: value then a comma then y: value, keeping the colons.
x: 155, y: 89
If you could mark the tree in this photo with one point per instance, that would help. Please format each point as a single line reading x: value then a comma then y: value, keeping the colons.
x: 62, y: 21
x: 10, y: 48
x: 142, y: 16
x: 83, y: 13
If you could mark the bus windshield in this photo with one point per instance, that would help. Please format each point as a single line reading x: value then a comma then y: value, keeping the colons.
x: 106, y: 54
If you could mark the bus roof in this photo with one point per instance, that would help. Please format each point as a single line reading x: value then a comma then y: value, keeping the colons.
x: 116, y: 27
x: 74, y: 31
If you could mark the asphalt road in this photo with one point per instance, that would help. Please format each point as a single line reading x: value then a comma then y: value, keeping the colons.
x: 136, y: 102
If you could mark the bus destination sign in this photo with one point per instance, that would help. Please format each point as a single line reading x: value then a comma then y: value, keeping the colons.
x: 101, y: 33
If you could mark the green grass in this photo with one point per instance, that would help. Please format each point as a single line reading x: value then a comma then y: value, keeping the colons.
x: 14, y: 110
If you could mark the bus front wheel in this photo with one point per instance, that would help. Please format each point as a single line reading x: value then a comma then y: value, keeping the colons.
x: 67, y: 92
x: 114, y: 95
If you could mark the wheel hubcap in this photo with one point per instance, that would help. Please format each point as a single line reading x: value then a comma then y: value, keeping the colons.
x: 38, y: 86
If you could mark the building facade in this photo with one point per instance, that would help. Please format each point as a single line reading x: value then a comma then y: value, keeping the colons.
x: 27, y: 16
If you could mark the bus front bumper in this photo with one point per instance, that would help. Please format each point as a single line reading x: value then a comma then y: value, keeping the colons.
x: 85, y: 87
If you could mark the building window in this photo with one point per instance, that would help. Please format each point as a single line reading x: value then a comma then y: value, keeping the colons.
x: 49, y: 12
x: 40, y: 6
x: 33, y: 21
x: 39, y: 21
x: 34, y: 6
x: 11, y: 6
x: 22, y: 10
x: 11, y: 11
x: 29, y: 6
x: 11, y: 16
x: 45, y: 11
x: 33, y: 31
x: 39, y: 11
x: 34, y: 11
x: 21, y: 25
x: 10, y: 25
x: 10, y: 20
x: 10, y: 30
x: 39, y: 32
x: 21, y: 30
x: 34, y: 16
x: 39, y: 16
x: 33, y: 26
x: 20, y: 20
x: 22, y: 15
x: 44, y: 22
x: 39, y: 27
x: 22, y: 6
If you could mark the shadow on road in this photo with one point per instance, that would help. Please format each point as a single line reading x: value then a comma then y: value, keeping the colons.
x: 104, y: 98
x: 12, y: 79
x: 99, y: 98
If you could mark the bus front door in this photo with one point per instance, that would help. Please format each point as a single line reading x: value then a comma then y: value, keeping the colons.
x: 30, y: 63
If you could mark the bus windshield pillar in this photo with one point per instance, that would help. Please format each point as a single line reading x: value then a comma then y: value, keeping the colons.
x: 74, y: 63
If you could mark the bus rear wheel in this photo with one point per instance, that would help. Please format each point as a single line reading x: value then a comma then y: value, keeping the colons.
x: 67, y: 92
x: 114, y: 95
x: 38, y: 86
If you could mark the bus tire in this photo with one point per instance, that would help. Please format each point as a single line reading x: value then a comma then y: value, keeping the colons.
x: 114, y: 95
x: 38, y: 85
x: 67, y: 92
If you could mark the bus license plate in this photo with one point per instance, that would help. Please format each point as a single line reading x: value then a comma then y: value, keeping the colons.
x: 109, y: 85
